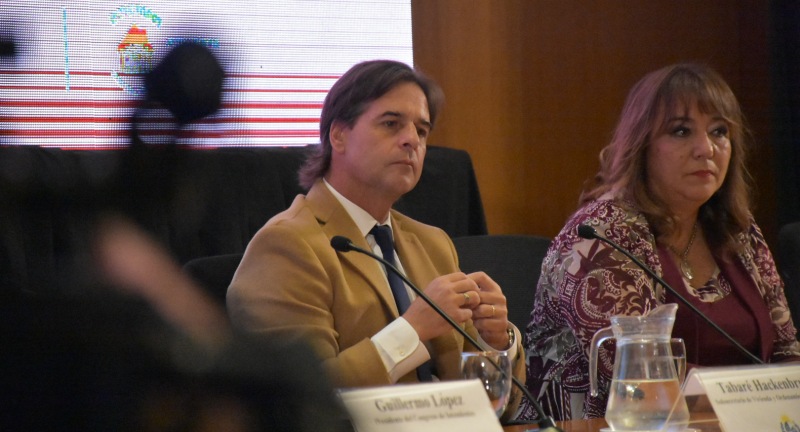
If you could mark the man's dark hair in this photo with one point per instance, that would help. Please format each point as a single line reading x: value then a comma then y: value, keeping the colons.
x: 349, y: 98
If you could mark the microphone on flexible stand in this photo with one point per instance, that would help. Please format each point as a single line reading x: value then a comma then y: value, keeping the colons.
x: 344, y: 244
x: 589, y: 233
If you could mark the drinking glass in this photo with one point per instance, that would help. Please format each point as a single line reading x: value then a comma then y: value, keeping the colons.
x: 678, y: 349
x: 493, y: 369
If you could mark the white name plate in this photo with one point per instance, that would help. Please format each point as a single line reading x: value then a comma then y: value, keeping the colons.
x: 442, y: 406
x: 751, y: 398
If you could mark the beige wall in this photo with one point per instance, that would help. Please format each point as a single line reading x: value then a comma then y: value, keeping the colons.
x: 533, y: 87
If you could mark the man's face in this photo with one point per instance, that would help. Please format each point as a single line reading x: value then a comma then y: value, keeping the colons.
x: 381, y: 156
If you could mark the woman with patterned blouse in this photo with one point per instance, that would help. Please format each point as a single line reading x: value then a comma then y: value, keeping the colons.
x: 672, y: 189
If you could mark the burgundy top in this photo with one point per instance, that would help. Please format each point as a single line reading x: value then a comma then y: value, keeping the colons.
x: 742, y: 317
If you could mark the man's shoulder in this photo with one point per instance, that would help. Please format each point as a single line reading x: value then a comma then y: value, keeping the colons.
x: 297, y: 211
x: 409, y: 224
x: 297, y: 220
x: 422, y: 242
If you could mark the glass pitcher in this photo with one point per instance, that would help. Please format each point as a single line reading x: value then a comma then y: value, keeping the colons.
x: 645, y: 385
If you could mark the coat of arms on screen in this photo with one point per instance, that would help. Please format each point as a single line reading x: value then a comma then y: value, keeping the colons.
x: 135, y: 49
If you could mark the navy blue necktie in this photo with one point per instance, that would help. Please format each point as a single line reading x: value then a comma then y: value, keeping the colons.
x: 383, y: 236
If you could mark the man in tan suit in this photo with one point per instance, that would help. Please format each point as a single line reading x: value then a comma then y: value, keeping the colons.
x: 292, y: 284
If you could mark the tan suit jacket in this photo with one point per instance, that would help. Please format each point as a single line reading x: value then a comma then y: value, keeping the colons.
x: 291, y: 283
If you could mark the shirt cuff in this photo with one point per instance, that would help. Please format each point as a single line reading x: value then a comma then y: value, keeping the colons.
x: 400, y: 348
x: 512, y: 350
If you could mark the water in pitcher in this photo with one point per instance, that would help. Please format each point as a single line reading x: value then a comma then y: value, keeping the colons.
x: 646, y: 405
x: 645, y: 383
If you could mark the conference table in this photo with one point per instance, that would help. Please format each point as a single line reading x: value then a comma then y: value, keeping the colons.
x: 705, y: 421
x: 592, y: 425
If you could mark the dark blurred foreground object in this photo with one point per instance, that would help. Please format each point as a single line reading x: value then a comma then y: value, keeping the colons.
x: 187, y: 82
x: 79, y: 354
x: 108, y: 362
x: 6, y: 48
x: 39, y: 194
x: 214, y: 273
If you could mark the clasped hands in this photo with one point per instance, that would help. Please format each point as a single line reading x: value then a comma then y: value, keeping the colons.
x: 462, y: 296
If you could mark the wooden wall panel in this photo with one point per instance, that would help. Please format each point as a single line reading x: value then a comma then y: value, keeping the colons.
x: 533, y: 87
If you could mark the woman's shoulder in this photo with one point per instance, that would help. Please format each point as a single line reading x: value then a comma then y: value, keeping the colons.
x: 611, y: 217
x: 753, y: 244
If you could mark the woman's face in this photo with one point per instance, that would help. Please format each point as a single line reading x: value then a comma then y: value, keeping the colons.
x: 688, y: 160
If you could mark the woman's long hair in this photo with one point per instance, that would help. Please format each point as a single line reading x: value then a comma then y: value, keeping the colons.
x: 623, y: 164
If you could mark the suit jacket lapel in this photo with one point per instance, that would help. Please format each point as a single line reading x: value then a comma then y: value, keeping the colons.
x: 335, y: 220
x: 445, y: 349
x: 416, y: 263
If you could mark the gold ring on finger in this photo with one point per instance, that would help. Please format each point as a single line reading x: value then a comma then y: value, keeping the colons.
x: 493, y: 310
x: 466, y: 298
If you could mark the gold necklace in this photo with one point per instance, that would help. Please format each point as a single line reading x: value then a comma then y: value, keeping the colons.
x: 686, y: 269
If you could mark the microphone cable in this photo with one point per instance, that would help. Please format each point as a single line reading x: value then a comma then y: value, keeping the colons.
x: 344, y: 244
x: 589, y: 233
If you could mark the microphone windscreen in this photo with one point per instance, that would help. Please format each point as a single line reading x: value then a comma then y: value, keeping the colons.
x: 188, y: 82
x: 587, y: 232
x: 341, y: 244
x: 6, y: 48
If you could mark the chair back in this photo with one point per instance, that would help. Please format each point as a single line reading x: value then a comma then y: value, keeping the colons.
x: 214, y: 273
x: 788, y: 260
x: 513, y: 261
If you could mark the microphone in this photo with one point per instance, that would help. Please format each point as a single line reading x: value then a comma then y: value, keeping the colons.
x: 188, y: 82
x: 344, y: 244
x: 589, y: 233
x: 7, y: 48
